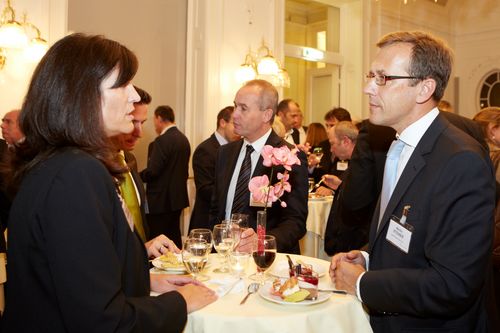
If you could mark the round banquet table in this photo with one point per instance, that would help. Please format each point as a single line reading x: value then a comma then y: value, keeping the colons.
x: 339, y: 313
x: 312, y: 244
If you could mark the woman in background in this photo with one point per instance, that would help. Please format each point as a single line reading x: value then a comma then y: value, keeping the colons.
x: 75, y: 264
x: 489, y: 119
x: 315, y: 134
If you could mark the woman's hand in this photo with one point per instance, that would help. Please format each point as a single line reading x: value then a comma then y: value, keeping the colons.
x: 160, y: 245
x: 162, y: 283
x: 197, y: 296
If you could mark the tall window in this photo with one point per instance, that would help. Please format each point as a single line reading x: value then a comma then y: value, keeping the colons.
x: 490, y: 90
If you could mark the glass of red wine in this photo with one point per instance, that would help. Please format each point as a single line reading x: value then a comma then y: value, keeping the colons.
x: 263, y: 253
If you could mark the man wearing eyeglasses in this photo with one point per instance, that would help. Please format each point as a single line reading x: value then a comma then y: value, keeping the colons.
x: 427, y: 264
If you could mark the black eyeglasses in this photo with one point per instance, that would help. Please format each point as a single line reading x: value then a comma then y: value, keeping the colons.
x: 381, y: 79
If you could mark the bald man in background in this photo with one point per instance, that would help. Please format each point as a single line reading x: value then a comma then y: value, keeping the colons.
x: 11, y: 131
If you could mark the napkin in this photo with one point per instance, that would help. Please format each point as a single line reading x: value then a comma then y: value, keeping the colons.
x: 228, y: 284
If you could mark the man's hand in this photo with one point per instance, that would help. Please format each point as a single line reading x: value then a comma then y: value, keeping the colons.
x: 246, y: 241
x: 305, y: 147
x: 323, y: 191
x: 332, y: 181
x: 312, y: 160
x: 345, y: 269
x: 346, y: 274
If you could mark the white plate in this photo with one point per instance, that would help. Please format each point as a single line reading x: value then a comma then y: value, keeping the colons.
x: 265, y: 293
x: 159, y: 264
x: 280, y: 269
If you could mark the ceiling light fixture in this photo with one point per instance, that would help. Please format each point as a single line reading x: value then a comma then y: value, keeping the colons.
x: 16, y: 35
x: 263, y: 65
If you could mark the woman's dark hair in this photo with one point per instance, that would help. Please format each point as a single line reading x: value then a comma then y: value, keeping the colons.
x: 62, y: 107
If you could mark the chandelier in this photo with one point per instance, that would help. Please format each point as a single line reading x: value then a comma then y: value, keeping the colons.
x: 16, y: 35
x: 262, y: 65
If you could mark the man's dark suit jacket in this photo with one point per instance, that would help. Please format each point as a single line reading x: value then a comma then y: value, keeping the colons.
x: 167, y: 172
x: 288, y: 224
x: 355, y: 200
x: 441, y: 282
x: 74, y: 262
x: 364, y: 177
x: 4, y: 199
x: 204, y: 173
x: 132, y: 164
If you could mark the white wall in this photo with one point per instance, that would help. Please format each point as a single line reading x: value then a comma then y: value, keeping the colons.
x: 476, y: 27
x: 219, y: 35
x: 470, y: 27
x: 156, y: 31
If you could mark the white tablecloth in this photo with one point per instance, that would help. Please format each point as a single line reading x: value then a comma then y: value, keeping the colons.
x: 312, y: 244
x: 340, y: 313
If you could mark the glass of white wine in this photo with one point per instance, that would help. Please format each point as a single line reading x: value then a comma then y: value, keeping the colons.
x: 224, y: 241
x: 195, y: 257
x: 318, y: 152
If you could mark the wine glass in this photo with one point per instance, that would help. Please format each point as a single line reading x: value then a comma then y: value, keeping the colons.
x: 202, y: 233
x: 240, y: 219
x: 195, y: 256
x: 263, y: 253
x: 223, y: 242
x: 318, y: 152
x: 311, y: 184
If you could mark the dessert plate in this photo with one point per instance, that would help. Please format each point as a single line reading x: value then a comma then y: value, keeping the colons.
x: 265, y: 293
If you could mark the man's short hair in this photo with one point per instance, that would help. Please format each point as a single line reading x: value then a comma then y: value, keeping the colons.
x: 143, y: 94
x: 348, y: 129
x: 283, y: 105
x: 339, y: 113
x: 268, y: 95
x: 430, y: 57
x: 225, y: 114
x: 165, y: 112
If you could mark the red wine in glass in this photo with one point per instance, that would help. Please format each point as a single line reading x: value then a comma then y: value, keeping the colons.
x: 263, y: 253
x: 264, y: 259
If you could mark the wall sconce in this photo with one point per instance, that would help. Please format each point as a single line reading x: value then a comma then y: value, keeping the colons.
x: 2, y: 58
x: 16, y: 35
x: 262, y: 65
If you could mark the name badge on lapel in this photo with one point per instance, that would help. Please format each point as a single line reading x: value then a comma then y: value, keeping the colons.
x: 342, y: 165
x: 399, y: 232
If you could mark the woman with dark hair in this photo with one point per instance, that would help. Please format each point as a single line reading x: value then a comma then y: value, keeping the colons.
x: 75, y: 263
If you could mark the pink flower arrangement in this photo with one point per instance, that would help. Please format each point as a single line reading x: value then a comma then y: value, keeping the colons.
x: 260, y: 189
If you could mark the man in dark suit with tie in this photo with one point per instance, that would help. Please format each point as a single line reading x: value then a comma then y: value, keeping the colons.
x: 430, y: 239
x: 204, y: 167
x: 166, y: 176
x: 255, y: 107
x: 125, y: 143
